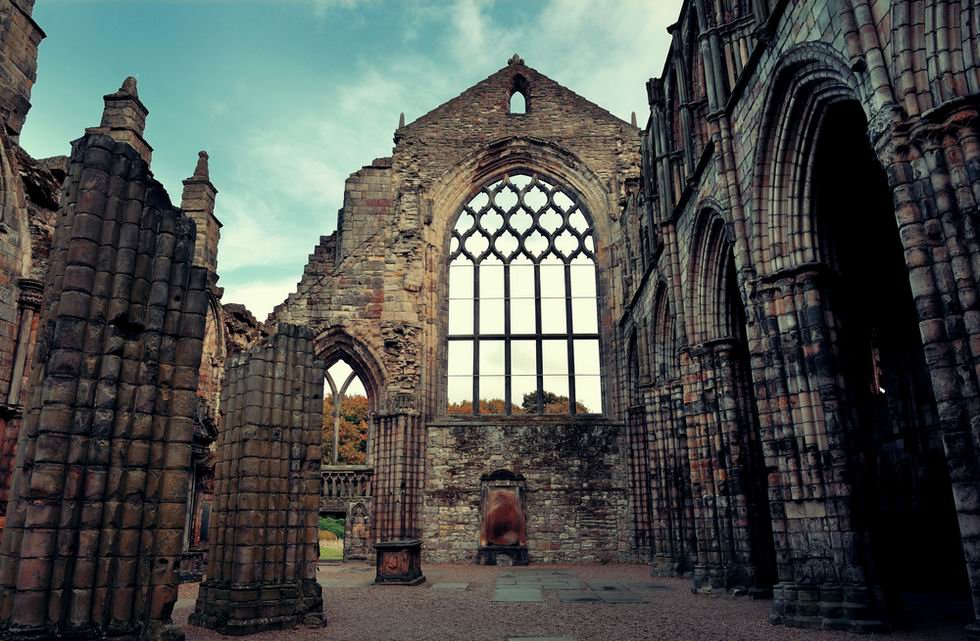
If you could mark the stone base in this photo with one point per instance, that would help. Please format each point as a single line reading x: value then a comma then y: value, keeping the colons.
x: 491, y: 554
x: 972, y: 632
x: 670, y: 565
x: 399, y: 562
x: 828, y: 607
x: 737, y: 580
x: 246, y: 609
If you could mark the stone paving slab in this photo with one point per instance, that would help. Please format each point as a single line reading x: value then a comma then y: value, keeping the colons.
x: 651, y: 586
x: 450, y: 586
x: 605, y: 586
x: 621, y: 597
x: 562, y: 585
x: 541, y: 639
x: 518, y: 595
x: 578, y: 596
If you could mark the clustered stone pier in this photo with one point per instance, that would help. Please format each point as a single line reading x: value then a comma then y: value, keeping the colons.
x: 96, y: 514
x: 264, y: 543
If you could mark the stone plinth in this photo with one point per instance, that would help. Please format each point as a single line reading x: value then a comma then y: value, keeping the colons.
x: 399, y: 562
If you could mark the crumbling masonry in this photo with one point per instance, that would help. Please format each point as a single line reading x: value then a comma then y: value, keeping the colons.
x: 739, y: 342
x: 98, y: 495
x: 264, y: 545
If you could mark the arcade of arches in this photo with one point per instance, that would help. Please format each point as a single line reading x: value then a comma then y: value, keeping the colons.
x: 740, y: 342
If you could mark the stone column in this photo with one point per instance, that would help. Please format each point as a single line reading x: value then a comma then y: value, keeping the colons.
x: 722, y: 432
x: 825, y: 576
x: 674, y: 547
x: 96, y: 507
x: 398, y: 477
x: 264, y: 543
x: 640, y: 482
x: 932, y: 167
x: 28, y: 303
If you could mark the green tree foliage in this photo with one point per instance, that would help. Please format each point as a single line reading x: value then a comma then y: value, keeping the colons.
x: 331, y: 524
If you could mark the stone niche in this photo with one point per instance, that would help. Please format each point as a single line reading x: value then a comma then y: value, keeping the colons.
x: 503, y: 520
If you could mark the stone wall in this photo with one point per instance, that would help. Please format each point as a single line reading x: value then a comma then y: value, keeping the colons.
x: 577, y: 495
x: 743, y: 308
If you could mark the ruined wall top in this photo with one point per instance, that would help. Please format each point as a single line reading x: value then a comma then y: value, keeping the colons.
x: 19, y: 39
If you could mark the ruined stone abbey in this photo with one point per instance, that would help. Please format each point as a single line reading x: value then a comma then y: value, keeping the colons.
x: 739, y: 342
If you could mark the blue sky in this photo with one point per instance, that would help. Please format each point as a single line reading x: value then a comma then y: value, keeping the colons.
x: 291, y: 96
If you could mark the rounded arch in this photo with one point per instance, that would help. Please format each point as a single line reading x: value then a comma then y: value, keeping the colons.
x: 808, y: 80
x: 335, y: 343
x: 716, y: 298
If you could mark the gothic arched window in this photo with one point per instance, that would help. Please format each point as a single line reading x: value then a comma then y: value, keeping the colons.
x: 523, y: 316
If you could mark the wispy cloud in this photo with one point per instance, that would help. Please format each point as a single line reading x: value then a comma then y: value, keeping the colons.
x: 603, y: 50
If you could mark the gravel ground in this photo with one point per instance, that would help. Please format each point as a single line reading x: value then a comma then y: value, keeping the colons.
x: 359, y: 611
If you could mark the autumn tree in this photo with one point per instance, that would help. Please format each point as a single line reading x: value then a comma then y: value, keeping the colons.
x: 553, y: 404
x: 353, y: 430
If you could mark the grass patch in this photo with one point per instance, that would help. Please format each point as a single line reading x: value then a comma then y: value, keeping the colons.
x: 332, y: 550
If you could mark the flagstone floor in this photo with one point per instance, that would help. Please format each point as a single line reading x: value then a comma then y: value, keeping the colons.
x: 545, y: 603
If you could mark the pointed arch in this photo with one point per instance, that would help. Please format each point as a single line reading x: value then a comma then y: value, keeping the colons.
x: 664, y: 326
x: 519, y: 98
x: 718, y: 306
x: 335, y: 343
x: 809, y: 79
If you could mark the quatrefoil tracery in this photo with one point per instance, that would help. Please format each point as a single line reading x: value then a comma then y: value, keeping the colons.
x: 522, y: 215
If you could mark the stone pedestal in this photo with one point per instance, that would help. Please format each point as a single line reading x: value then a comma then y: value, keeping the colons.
x: 399, y: 562
x: 828, y: 607
x: 509, y: 554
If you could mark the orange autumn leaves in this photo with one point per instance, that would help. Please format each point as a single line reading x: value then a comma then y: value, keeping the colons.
x: 353, y: 430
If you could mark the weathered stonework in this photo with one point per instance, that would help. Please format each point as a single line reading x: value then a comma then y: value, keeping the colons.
x: 264, y: 549
x: 576, y: 495
x: 803, y: 221
x: 793, y: 222
x: 98, y: 496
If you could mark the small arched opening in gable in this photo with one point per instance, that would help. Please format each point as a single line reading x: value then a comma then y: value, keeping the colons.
x: 519, y: 102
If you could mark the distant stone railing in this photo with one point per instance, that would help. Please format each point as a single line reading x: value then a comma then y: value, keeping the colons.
x: 339, y: 484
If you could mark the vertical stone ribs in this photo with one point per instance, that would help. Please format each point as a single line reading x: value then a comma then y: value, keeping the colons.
x: 264, y: 542
x: 98, y: 494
